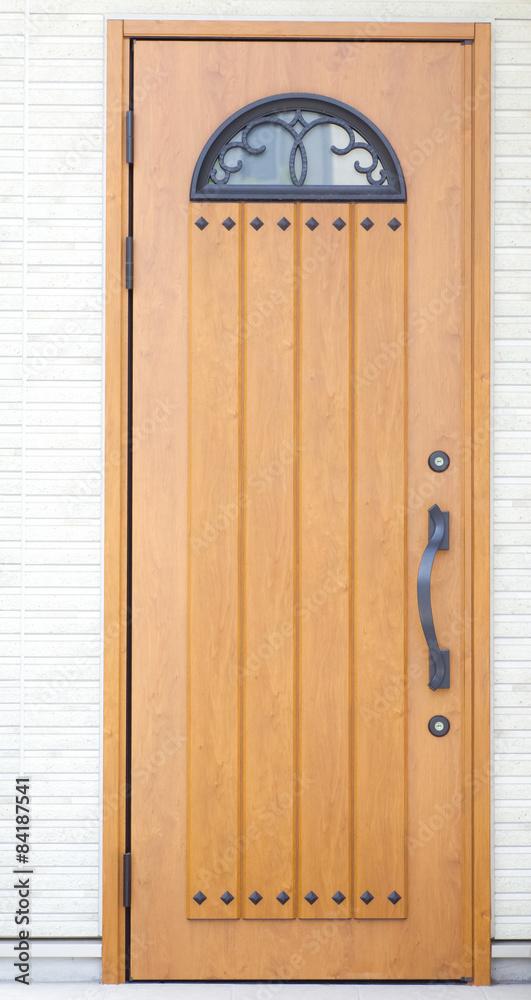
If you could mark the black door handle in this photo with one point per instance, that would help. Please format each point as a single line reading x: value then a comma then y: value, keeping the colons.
x: 439, y: 528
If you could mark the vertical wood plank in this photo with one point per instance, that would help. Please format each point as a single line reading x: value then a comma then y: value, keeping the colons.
x: 114, y: 734
x: 214, y: 555
x: 268, y: 514
x: 380, y: 607
x: 481, y: 492
x: 324, y: 541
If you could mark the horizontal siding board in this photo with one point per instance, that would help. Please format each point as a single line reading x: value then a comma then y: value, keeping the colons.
x: 304, y: 9
x: 512, y: 690
x: 517, y: 53
x: 60, y: 237
x: 52, y: 26
x: 513, y: 31
x: 513, y: 859
x: 513, y: 169
x: 513, y: 767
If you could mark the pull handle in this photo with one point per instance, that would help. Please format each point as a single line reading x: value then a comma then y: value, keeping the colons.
x: 439, y: 528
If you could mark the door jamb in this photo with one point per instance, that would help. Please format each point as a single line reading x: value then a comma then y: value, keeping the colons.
x: 115, y: 789
x: 480, y: 458
x: 115, y: 792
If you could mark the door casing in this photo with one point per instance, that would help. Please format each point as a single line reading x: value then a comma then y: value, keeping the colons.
x: 117, y: 395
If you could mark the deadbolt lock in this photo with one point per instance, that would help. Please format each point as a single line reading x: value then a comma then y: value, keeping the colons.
x: 438, y: 725
x: 439, y: 461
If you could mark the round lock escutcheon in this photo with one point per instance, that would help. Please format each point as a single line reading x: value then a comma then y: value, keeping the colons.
x: 439, y: 461
x: 438, y: 725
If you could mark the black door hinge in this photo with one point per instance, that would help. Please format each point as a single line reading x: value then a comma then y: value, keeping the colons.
x: 465, y: 41
x: 127, y: 880
x: 129, y: 137
x: 128, y: 261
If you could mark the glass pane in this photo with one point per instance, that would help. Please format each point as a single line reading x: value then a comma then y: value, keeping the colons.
x: 298, y: 148
x: 326, y: 167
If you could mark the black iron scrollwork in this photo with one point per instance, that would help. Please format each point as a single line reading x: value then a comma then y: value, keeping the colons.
x: 220, y: 175
x: 298, y: 129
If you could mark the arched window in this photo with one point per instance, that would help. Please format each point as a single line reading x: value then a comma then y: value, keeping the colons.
x: 298, y: 147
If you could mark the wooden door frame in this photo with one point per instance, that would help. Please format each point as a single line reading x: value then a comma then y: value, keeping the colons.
x: 115, y: 790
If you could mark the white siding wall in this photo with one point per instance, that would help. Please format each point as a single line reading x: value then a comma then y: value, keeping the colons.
x: 512, y: 480
x: 52, y: 75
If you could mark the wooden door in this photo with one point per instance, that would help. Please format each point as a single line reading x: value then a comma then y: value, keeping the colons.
x: 292, y: 815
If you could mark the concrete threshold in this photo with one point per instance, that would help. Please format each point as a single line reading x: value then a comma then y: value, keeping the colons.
x: 266, y: 991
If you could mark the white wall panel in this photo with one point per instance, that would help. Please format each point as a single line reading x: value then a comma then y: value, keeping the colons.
x: 51, y: 347
x: 512, y: 477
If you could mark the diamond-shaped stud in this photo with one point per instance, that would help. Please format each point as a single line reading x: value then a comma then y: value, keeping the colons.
x: 284, y: 224
x: 394, y: 224
x: 201, y: 223
x: 394, y: 897
x: 226, y: 898
x: 367, y: 897
x: 199, y: 897
x: 367, y: 223
x: 312, y: 223
x: 228, y: 223
x: 256, y: 224
x: 311, y: 897
x: 255, y: 897
x: 339, y: 225
x: 283, y: 897
x: 338, y: 897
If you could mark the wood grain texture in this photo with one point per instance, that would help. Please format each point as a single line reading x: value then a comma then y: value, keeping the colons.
x: 114, y: 748
x: 269, y: 463
x: 405, y: 89
x: 436, y: 303
x: 324, y: 546
x: 160, y: 499
x: 363, y: 30
x: 481, y: 493
x: 379, y: 561
x: 214, y: 667
x: 467, y: 493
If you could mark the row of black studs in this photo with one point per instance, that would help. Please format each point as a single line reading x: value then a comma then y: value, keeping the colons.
x: 367, y: 897
x: 284, y: 223
x: 283, y: 897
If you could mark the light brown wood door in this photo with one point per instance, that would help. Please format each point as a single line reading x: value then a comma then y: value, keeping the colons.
x: 292, y: 816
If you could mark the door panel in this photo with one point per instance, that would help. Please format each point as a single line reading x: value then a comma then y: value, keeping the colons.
x: 269, y: 465
x: 379, y: 584
x: 214, y: 620
x: 274, y: 532
x: 324, y: 557
x: 293, y: 441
